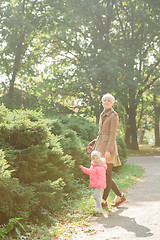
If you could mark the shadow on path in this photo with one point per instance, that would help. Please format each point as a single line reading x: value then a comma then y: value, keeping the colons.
x: 116, y: 220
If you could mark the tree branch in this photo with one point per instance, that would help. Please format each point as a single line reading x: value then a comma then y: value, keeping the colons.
x: 148, y: 86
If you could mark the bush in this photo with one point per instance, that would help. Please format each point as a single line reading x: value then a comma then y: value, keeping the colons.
x: 42, y: 157
x: 72, y: 145
x: 3, y: 113
x: 122, y: 150
x: 38, y: 161
x: 15, y: 199
x: 49, y: 193
x: 55, y: 126
x: 85, y: 130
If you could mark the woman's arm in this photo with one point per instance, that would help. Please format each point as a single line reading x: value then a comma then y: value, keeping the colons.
x: 113, y: 131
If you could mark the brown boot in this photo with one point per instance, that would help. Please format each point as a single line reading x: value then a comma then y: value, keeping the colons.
x: 118, y: 200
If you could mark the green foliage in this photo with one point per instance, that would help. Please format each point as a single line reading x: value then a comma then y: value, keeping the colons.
x: 85, y: 129
x: 37, y: 163
x: 73, y: 146
x: 24, y: 133
x: 42, y: 158
x: 15, y: 199
x: 49, y: 193
x: 4, y: 172
x: 55, y: 125
x: 113, y: 52
x: 74, y: 135
x: 3, y: 113
x: 122, y: 150
x: 13, y: 224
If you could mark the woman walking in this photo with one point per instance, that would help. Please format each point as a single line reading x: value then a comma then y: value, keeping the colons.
x: 106, y: 145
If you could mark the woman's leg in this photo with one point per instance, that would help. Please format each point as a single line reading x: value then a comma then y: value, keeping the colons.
x: 110, y: 183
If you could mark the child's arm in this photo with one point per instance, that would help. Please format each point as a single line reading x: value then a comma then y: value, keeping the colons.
x: 85, y: 170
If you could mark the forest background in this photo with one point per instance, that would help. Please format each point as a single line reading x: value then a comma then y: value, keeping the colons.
x: 62, y: 56
x: 58, y: 58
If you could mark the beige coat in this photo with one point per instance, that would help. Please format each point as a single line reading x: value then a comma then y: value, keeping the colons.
x: 106, y: 140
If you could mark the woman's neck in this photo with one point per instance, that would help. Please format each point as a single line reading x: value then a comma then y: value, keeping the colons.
x: 106, y: 110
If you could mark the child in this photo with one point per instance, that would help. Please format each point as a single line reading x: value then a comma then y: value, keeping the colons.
x: 97, y: 174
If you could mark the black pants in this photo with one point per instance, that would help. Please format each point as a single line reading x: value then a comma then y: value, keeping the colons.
x: 110, y: 183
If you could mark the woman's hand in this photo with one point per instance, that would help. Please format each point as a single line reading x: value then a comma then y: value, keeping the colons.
x: 81, y: 166
x: 107, y: 155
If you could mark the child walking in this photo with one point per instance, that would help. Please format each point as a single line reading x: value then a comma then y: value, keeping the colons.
x: 97, y: 175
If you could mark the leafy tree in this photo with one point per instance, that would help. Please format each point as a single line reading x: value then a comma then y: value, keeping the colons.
x: 86, y: 63
x: 111, y: 49
x: 22, y: 29
x: 156, y: 115
x: 137, y: 41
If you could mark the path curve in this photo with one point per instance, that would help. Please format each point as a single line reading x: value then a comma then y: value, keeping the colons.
x: 139, y: 217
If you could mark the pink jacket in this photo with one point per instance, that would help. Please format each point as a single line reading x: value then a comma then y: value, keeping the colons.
x: 97, y: 175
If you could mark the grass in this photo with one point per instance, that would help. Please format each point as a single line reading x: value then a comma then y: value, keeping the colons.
x: 73, y: 218
x: 145, y: 150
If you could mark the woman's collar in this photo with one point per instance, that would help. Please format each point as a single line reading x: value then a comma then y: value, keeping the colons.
x: 107, y: 112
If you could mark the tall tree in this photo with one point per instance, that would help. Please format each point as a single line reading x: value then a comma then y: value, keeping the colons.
x: 156, y: 105
x: 137, y: 38
x: 112, y: 45
x: 93, y: 47
x: 86, y: 44
x: 23, y: 28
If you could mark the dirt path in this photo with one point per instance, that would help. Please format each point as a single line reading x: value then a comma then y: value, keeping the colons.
x: 139, y: 217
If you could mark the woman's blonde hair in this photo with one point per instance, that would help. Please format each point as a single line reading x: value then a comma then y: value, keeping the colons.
x: 108, y: 96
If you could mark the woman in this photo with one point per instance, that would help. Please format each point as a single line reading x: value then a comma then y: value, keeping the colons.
x: 106, y: 145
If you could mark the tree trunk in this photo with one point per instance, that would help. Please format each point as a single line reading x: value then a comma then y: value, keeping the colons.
x: 141, y: 136
x: 156, y: 124
x: 131, y: 130
x: 97, y: 119
x: 128, y: 135
x: 134, y: 142
x: 156, y: 131
x: 16, y: 65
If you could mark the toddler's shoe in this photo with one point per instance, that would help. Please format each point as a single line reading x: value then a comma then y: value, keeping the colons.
x: 104, y: 203
x: 118, y: 200
x: 99, y: 210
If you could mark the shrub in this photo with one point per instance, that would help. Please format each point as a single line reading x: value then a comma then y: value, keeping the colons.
x: 55, y: 126
x: 122, y: 150
x: 49, y: 193
x: 15, y: 199
x: 38, y: 161
x: 72, y: 145
x: 85, y: 129
x: 3, y: 113
x: 42, y: 157
x: 76, y: 144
